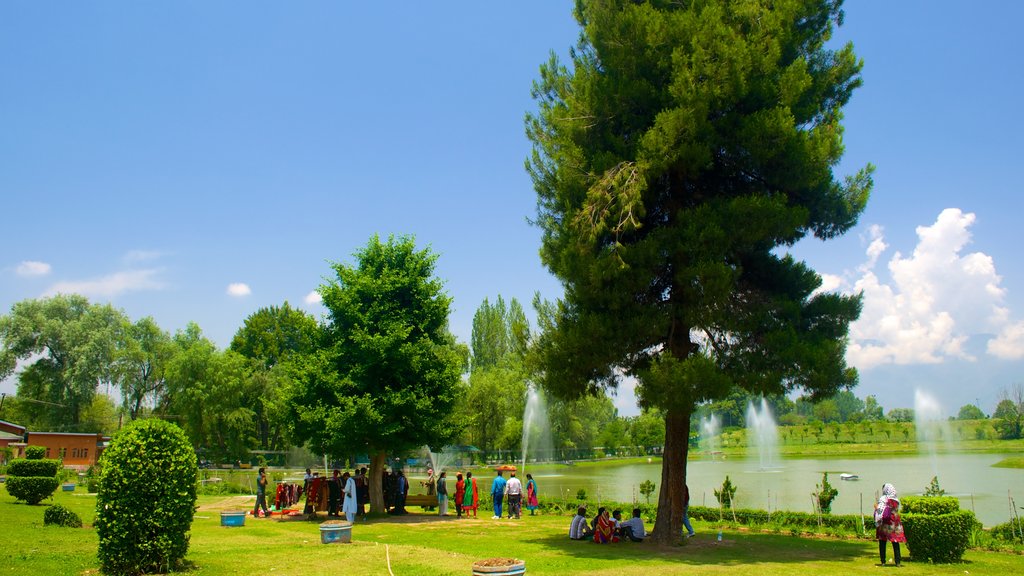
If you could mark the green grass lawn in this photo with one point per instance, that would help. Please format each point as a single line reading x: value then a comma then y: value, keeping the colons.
x: 428, y: 545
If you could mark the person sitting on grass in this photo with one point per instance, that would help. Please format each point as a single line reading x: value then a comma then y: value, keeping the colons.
x: 633, y: 528
x: 579, y: 530
x: 604, y: 531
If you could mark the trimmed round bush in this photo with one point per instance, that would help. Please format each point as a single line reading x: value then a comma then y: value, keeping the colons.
x: 31, y: 489
x: 46, y: 468
x: 146, y: 499
x: 58, y: 515
x: 35, y: 452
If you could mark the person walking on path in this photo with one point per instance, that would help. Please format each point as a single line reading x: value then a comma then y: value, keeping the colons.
x: 460, y: 494
x: 349, y: 503
x: 471, y: 500
x: 498, y: 494
x: 261, y: 495
x: 531, y: 494
x: 888, y: 527
x: 514, y: 489
x: 442, y: 494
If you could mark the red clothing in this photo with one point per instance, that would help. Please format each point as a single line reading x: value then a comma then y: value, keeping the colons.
x: 460, y: 491
x: 604, y: 532
x: 890, y: 528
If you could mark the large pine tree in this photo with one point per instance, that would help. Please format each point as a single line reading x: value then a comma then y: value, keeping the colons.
x: 685, y: 149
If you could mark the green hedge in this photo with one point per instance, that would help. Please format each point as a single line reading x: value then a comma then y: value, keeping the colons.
x: 58, y: 515
x: 31, y: 489
x: 35, y: 452
x: 930, y: 505
x: 746, y: 516
x: 46, y: 468
x: 941, y: 538
x: 146, y: 499
x: 1007, y: 532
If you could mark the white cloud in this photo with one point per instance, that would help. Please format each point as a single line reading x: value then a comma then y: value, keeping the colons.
x: 32, y: 268
x: 110, y: 285
x: 313, y: 297
x: 938, y: 297
x: 238, y: 290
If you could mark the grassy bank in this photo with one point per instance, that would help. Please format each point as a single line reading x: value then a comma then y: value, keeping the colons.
x: 1010, y: 463
x: 428, y: 545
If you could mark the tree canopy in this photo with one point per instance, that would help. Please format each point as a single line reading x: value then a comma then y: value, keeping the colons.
x: 687, y: 147
x: 387, y: 374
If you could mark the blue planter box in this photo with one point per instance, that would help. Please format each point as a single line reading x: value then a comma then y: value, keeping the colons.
x: 340, y: 533
x: 233, y: 518
x: 69, y: 487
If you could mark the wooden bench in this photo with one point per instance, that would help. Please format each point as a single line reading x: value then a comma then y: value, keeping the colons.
x: 424, y: 500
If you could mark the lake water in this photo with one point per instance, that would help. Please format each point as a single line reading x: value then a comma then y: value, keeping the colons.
x: 969, y: 477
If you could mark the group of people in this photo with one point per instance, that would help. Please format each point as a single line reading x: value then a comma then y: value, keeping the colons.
x: 347, y: 493
x: 512, y: 491
x: 607, y: 528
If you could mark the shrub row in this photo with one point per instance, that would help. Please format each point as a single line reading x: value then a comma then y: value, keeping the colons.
x: 31, y: 489
x: 58, y: 515
x: 34, y: 468
x: 1007, y: 532
x: 35, y: 452
x: 746, y: 516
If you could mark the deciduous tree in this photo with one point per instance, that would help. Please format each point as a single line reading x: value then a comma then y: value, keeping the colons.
x: 687, y: 146
x: 388, y: 373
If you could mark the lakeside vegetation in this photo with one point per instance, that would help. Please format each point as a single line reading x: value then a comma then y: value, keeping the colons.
x: 425, y: 544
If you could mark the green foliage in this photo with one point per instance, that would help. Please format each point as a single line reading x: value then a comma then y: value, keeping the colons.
x: 727, y: 494
x: 930, y: 505
x: 92, y: 478
x: 646, y: 489
x: 389, y: 373
x: 274, y: 334
x: 1009, y: 413
x: 32, y: 480
x: 44, y: 467
x: 58, y: 515
x: 1012, y: 531
x: 674, y: 158
x: 941, y: 538
x: 65, y: 346
x: 933, y: 488
x: 31, y: 489
x: 35, y: 452
x: 970, y: 412
x: 146, y: 499
x: 825, y: 494
x: 581, y: 494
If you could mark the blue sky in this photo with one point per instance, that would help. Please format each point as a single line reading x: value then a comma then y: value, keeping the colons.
x: 195, y: 161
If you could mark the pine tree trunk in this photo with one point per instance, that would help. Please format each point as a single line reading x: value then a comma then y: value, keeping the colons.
x: 378, y: 463
x: 668, y: 526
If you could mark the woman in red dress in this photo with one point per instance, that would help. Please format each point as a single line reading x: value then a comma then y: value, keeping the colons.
x: 888, y: 527
x: 604, y: 528
x: 460, y: 493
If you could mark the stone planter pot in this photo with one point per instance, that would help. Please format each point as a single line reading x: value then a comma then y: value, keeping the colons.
x: 336, y: 532
x: 232, y: 518
x: 499, y: 567
x: 68, y: 486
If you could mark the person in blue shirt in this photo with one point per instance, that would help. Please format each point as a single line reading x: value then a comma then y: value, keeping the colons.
x: 498, y: 494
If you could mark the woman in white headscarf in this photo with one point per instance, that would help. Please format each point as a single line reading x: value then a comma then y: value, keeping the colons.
x: 888, y: 527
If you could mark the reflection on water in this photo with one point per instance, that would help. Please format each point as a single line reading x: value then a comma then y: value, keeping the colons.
x: 969, y: 477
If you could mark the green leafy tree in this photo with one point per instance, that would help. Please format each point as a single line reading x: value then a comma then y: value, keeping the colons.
x: 271, y: 338
x: 388, y: 374
x: 727, y: 495
x: 970, y: 412
x: 139, y: 365
x: 66, y: 346
x: 901, y: 415
x: 206, y: 392
x: 1009, y: 413
x: 646, y: 489
x: 848, y: 406
x: 872, y: 409
x: 688, y: 145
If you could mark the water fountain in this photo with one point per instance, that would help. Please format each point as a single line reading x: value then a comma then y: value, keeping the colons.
x: 439, y: 460
x: 763, y: 433
x: 536, y: 426
x: 710, y: 427
x: 930, y: 425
